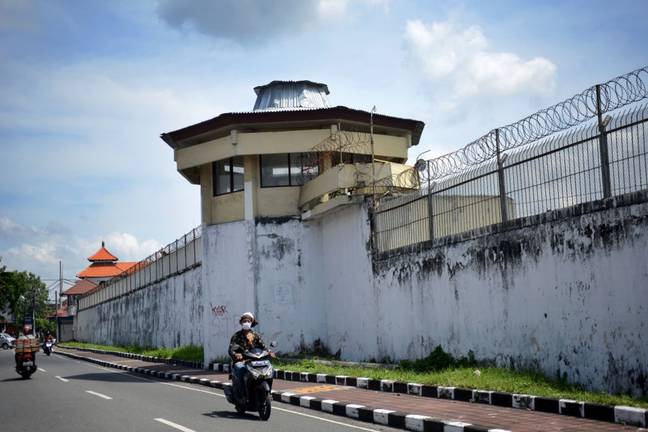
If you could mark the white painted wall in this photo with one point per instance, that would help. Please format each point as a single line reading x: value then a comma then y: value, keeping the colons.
x: 567, y: 297
x: 166, y: 314
x: 264, y: 268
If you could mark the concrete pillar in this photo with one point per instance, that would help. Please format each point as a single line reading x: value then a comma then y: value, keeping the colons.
x: 206, y: 193
x: 251, y: 182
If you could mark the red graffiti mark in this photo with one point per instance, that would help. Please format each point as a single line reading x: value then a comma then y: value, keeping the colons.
x: 218, y: 310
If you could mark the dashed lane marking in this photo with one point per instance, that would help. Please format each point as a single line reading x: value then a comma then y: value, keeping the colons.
x: 174, y: 425
x: 42, y: 370
x: 103, y: 396
x: 62, y: 379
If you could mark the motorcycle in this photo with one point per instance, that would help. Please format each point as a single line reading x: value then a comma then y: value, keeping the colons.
x: 26, y: 364
x: 257, y: 384
x: 48, y: 346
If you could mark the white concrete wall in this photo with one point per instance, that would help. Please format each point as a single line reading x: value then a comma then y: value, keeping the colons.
x: 166, y: 314
x: 263, y: 267
x: 568, y: 297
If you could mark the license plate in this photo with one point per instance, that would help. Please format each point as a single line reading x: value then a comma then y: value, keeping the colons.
x: 260, y: 363
x: 27, y: 364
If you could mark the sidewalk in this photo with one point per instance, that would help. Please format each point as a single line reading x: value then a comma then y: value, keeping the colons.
x: 392, y: 407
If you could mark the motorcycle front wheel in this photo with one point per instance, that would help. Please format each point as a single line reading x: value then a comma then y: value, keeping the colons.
x: 265, y: 408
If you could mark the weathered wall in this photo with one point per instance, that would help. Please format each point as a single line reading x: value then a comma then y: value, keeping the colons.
x: 168, y: 313
x: 568, y: 296
x: 262, y: 267
x: 565, y: 292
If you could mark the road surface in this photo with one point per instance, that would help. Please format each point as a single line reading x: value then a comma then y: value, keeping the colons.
x: 71, y: 395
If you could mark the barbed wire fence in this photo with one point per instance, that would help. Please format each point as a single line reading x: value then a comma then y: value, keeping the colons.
x: 569, y: 153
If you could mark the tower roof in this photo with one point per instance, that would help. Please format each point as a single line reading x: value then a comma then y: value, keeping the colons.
x: 102, y: 255
x: 294, y: 95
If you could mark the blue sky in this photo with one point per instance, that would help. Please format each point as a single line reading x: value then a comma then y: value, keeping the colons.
x: 87, y: 87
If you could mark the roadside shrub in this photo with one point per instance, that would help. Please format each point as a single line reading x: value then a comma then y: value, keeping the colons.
x: 438, y: 360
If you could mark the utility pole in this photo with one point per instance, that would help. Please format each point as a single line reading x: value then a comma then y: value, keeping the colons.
x: 34, y: 310
x: 60, y: 293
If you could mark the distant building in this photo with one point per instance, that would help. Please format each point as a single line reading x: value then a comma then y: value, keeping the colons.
x: 103, y: 266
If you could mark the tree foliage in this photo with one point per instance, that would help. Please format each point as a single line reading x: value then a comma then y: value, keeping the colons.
x: 20, y: 292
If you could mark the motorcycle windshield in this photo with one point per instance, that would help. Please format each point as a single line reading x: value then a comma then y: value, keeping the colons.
x: 256, y: 353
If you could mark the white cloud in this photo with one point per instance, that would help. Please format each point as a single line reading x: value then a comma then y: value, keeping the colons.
x: 128, y: 247
x: 42, y: 253
x: 464, y: 57
x: 9, y: 228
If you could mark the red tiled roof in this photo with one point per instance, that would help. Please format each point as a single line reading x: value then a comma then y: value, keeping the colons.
x: 102, y: 255
x: 105, y: 269
x: 81, y: 287
x: 61, y: 313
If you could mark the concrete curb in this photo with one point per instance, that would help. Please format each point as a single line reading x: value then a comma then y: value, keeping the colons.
x: 619, y: 414
x: 392, y: 418
x: 195, y: 365
x: 613, y: 414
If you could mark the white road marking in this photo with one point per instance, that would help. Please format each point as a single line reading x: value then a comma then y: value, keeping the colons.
x: 221, y: 395
x: 174, y: 425
x: 62, y: 379
x: 42, y: 370
x: 280, y: 409
x: 99, y: 394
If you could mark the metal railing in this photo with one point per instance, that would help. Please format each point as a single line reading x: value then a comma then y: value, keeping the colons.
x: 176, y: 257
x: 520, y: 170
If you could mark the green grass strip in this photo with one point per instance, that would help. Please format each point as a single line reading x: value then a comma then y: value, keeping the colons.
x: 192, y: 353
x: 489, y: 378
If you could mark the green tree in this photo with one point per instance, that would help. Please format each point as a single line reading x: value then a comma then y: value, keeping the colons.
x: 20, y: 292
x: 4, y: 298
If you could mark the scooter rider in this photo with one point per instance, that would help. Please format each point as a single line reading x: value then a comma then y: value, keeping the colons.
x: 244, y: 340
x: 26, y: 334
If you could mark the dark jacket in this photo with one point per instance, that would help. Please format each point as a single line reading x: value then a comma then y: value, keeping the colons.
x: 244, y: 340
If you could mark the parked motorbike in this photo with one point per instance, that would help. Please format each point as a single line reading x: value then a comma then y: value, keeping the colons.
x: 26, y: 364
x: 48, y: 347
x: 257, y: 384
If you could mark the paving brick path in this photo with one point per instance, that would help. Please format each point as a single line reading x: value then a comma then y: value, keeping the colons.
x: 488, y: 416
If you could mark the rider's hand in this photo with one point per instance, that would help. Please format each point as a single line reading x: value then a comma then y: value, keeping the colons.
x: 273, y: 355
x: 238, y: 356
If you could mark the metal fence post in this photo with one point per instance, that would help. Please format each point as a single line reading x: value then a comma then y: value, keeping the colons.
x: 500, y: 177
x: 603, y: 147
x: 193, y: 235
x: 177, y: 256
x: 429, y: 203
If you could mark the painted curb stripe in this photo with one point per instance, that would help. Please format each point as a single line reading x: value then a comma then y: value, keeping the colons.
x: 618, y: 414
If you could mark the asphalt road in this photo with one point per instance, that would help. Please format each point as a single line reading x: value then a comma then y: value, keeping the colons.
x: 71, y: 395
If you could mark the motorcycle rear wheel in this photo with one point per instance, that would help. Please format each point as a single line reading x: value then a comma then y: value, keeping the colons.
x: 265, y: 408
x: 25, y: 375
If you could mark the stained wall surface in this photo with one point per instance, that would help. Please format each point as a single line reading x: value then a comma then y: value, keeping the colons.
x: 165, y: 314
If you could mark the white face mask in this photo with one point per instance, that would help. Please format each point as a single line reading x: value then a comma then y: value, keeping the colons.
x: 246, y: 325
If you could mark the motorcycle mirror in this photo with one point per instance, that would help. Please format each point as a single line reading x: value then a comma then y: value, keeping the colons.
x: 273, y: 344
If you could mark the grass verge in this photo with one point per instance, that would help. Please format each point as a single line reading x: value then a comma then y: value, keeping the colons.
x: 489, y: 378
x: 188, y: 352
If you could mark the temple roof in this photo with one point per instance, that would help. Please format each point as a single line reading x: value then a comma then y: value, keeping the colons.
x: 81, y: 287
x: 102, y: 255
